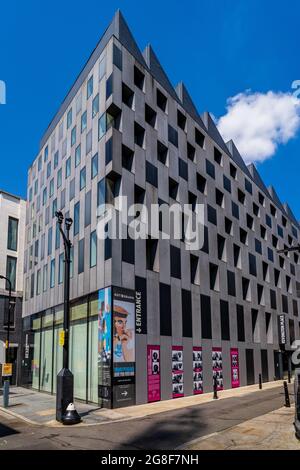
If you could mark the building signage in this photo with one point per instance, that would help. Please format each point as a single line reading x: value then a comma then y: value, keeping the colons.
x: 177, y: 371
x: 27, y: 349
x: 217, y: 363
x: 281, y: 329
x: 153, y: 373
x: 123, y: 333
x: 140, y: 306
x: 197, y: 371
x: 104, y: 345
x: 235, y: 373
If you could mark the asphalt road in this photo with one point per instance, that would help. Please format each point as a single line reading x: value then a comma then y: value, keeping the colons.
x: 162, y: 431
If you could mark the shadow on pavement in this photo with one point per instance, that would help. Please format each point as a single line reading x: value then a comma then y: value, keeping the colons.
x: 168, y: 433
x: 6, y: 431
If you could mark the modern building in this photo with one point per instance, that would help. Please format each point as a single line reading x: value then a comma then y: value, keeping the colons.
x: 12, y: 228
x: 150, y: 319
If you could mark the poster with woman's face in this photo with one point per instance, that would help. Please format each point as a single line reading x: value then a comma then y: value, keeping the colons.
x: 123, y: 334
x: 197, y: 371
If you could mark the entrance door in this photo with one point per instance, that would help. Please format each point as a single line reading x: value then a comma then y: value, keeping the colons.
x: 277, y: 367
x: 250, y: 366
x: 264, y: 365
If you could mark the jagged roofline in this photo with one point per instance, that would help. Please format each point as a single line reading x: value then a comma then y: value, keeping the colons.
x: 290, y: 213
x: 119, y: 29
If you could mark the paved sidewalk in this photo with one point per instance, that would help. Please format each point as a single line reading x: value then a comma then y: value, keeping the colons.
x: 272, y: 431
x: 39, y: 408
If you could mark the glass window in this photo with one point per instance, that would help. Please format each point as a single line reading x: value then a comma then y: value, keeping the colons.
x: 51, y: 188
x: 89, y: 88
x: 49, y: 241
x: 83, y: 121
x: 93, y: 352
x: 59, y: 178
x: 44, y: 196
x: 76, y: 218
x: 94, y: 166
x: 61, y: 268
x: 36, y: 325
x: 73, y: 136
x: 68, y: 167
x: 78, y: 103
x: 48, y: 169
x: 78, y: 357
x: 46, y: 152
x: 69, y: 118
x: 52, y: 273
x: 54, y: 207
x: 57, y: 236
x: 58, y: 350
x: 46, y: 352
x: 109, y: 86
x: 81, y: 256
x: 88, y: 145
x: 56, y: 156
x: 101, y: 126
x: 38, y: 282
x: 45, y: 277
x: 93, y: 249
x: 12, y: 239
x: 102, y: 67
x: 77, y: 155
x: 95, y: 106
x: 11, y: 272
x: 82, y: 178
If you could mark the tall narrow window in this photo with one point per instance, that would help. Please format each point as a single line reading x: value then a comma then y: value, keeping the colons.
x: 11, y: 272
x: 76, y: 218
x: 93, y: 249
x: 52, y: 273
x: 94, y: 166
x: 61, y: 268
x: 12, y: 238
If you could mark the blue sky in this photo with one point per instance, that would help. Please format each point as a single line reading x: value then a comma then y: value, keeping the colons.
x: 218, y: 48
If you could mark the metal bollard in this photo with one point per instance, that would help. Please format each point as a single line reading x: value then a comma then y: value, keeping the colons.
x: 215, y: 395
x: 260, y: 381
x: 287, y: 403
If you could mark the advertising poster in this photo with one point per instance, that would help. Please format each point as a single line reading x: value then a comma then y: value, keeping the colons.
x: 153, y: 372
x: 235, y: 375
x: 123, y: 335
x: 197, y: 371
x: 217, y: 363
x: 104, y: 343
x: 177, y: 371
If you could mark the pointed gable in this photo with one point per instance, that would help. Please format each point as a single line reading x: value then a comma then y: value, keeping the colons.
x: 122, y: 32
x: 213, y: 132
x: 188, y: 104
x: 275, y: 197
x: 236, y: 157
x: 257, y: 179
x: 157, y: 71
x: 290, y: 213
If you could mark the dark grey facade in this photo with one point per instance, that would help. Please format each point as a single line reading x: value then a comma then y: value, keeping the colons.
x: 125, y: 130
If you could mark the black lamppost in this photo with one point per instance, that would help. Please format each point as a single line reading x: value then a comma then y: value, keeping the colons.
x: 6, y: 380
x: 65, y: 410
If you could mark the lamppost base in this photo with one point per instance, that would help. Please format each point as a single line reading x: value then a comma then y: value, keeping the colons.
x: 71, y: 416
x: 64, y: 392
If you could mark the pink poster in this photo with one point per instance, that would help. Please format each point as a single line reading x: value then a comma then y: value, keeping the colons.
x: 235, y: 373
x: 217, y: 362
x: 177, y: 371
x: 197, y: 371
x: 153, y: 366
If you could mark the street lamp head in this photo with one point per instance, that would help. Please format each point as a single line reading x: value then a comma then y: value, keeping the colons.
x: 59, y: 216
x: 68, y: 222
x: 2, y: 277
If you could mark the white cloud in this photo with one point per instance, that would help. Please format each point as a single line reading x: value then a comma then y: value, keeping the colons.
x: 259, y: 122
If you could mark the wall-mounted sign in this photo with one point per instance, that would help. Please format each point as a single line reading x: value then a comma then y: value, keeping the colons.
x: 235, y: 373
x: 281, y: 329
x: 197, y: 371
x: 177, y: 371
x: 140, y: 305
x: 62, y: 338
x: 153, y: 372
x: 6, y: 370
x: 217, y: 363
